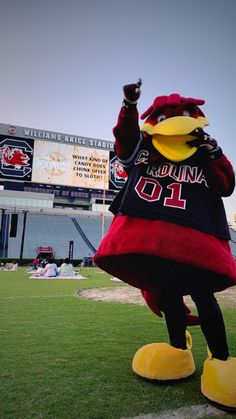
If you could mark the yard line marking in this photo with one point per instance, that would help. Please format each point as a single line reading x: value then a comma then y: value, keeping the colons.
x: 197, y: 411
x: 13, y: 297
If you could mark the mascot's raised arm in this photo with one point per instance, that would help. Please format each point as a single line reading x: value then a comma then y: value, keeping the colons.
x: 170, y: 237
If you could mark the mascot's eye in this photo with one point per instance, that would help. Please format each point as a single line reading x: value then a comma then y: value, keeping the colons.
x: 161, y: 118
x: 186, y: 113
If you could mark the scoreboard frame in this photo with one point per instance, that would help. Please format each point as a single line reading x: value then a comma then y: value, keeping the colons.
x: 25, y: 155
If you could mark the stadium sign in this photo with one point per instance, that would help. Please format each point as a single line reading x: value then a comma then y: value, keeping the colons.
x: 56, y: 137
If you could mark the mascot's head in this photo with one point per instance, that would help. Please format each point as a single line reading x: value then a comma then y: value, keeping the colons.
x: 172, y: 121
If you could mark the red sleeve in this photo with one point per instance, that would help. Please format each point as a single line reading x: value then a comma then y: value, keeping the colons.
x: 126, y: 132
x: 220, y: 176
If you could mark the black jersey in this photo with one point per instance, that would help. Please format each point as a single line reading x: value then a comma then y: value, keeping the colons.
x: 175, y: 192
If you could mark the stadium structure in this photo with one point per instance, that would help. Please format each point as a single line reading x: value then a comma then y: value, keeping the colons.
x: 55, y: 189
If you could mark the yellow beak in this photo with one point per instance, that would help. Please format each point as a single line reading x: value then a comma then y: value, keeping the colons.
x: 170, y: 136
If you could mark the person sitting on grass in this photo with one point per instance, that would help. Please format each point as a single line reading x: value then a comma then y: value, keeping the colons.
x: 66, y: 269
x: 36, y: 263
x: 50, y: 269
x: 43, y: 263
x: 13, y: 266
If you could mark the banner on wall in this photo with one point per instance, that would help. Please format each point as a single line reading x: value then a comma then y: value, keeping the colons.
x: 60, y: 164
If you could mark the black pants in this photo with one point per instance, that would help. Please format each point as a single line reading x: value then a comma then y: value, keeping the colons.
x: 211, y: 319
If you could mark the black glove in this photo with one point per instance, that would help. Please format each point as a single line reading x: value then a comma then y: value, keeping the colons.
x: 132, y: 93
x: 206, y: 142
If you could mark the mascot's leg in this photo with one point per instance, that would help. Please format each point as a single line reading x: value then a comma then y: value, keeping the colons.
x: 175, y: 315
x: 218, y: 381
x: 161, y: 361
x: 212, y: 323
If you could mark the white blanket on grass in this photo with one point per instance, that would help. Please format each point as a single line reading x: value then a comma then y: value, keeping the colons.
x: 77, y: 276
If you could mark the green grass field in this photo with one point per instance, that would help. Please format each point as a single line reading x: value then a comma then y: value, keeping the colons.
x: 64, y: 356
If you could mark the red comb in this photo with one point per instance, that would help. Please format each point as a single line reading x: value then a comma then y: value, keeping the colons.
x: 174, y: 99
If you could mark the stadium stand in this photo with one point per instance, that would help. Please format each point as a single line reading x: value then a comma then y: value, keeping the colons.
x: 56, y: 228
x: 57, y: 231
x: 233, y: 242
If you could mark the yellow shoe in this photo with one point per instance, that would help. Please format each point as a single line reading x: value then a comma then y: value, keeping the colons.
x: 218, y: 382
x: 161, y: 361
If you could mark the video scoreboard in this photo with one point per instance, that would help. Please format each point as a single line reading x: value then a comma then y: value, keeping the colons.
x: 65, y: 164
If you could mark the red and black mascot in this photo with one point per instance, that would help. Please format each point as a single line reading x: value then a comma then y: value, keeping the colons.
x: 170, y: 237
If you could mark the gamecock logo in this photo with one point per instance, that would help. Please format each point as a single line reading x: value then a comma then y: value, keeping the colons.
x: 118, y: 174
x: 14, y: 157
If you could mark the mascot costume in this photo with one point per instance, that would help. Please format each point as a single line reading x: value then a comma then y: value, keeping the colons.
x: 169, y: 236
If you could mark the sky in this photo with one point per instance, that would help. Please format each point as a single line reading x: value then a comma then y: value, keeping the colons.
x: 64, y: 62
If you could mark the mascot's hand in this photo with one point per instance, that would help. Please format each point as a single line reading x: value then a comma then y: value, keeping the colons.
x: 206, y: 142
x: 132, y: 93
